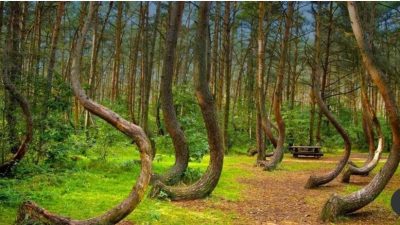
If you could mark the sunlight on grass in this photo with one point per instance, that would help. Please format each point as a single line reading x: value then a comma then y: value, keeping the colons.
x: 94, y: 186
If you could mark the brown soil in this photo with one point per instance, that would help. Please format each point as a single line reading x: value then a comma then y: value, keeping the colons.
x: 280, y: 198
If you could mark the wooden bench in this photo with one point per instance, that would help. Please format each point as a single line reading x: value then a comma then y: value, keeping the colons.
x: 314, y: 151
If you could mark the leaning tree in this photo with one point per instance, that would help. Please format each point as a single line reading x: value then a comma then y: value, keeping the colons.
x: 206, y: 184
x: 167, y: 103
x: 369, y: 118
x: 31, y: 213
x: 342, y: 205
x: 277, y: 103
x: 318, y: 180
x: 12, y: 67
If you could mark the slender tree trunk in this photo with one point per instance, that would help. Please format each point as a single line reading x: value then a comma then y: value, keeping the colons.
x: 312, y: 113
x: 167, y: 103
x: 147, y: 68
x: 132, y: 70
x: 250, y: 93
x: 295, y: 61
x: 289, y: 72
x: 206, y: 184
x: 267, y: 125
x: 214, y: 53
x: 227, y: 62
x: 144, y: 67
x: 12, y: 62
x: 237, y: 96
x: 314, y: 180
x: 92, y: 75
x: 3, y: 136
x: 37, y: 52
x: 260, y: 102
x: 30, y: 213
x: 1, y: 19
x: 149, y: 54
x: 14, y: 76
x: 50, y: 71
x: 368, y: 116
x: 325, y: 71
x: 220, y: 81
x: 97, y: 37
x: 277, y: 104
x: 117, y: 54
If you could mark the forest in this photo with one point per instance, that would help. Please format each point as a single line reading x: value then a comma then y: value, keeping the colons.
x: 199, y: 112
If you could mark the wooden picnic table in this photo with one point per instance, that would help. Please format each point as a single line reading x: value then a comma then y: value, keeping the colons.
x: 314, y: 151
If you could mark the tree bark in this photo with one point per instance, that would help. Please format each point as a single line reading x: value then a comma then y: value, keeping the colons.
x: 144, y: 66
x: 50, y: 71
x: 15, y: 72
x: 117, y: 54
x: 260, y: 102
x: 341, y: 205
x: 312, y: 113
x: 206, y: 184
x: 220, y: 80
x: 267, y: 125
x: 295, y: 61
x: 148, y: 54
x: 30, y: 213
x: 325, y: 70
x: 12, y: 62
x: 277, y: 103
x: 227, y: 62
x: 214, y: 52
x: 132, y: 70
x: 167, y: 103
x: 314, y: 180
x: 97, y: 37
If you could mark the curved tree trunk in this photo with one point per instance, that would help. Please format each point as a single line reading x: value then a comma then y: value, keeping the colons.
x: 363, y: 171
x: 314, y: 180
x: 341, y: 205
x: 30, y: 213
x: 167, y: 103
x: 374, y: 155
x: 278, y: 153
x: 267, y: 126
x: 264, y: 122
x: 206, y: 184
x: 12, y: 57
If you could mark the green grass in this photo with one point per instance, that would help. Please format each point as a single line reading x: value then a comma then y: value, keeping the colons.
x: 383, y: 199
x: 94, y: 186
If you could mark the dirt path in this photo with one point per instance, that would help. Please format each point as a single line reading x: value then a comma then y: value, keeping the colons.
x: 279, y: 198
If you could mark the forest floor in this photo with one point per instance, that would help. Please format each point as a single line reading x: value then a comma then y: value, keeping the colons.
x: 279, y: 197
x: 245, y: 194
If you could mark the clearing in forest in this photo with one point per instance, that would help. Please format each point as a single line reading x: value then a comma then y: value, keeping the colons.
x: 244, y: 195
